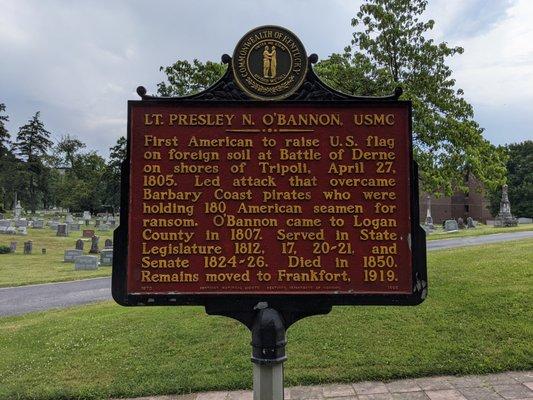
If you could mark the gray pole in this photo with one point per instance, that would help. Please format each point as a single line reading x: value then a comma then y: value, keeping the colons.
x: 268, y: 353
x: 268, y: 382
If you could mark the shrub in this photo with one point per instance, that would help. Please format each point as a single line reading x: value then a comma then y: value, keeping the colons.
x: 4, y: 249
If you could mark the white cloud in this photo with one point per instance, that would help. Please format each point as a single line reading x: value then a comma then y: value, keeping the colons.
x: 497, y: 66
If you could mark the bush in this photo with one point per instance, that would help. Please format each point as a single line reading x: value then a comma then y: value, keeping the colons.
x: 5, y: 249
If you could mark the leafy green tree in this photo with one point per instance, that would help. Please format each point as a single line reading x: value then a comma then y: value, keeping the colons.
x: 391, y: 50
x: 82, y: 186
x: 519, y: 180
x: 4, y: 150
x: 68, y: 147
x: 4, y: 134
x: 117, y: 155
x: 32, y: 145
x: 8, y: 163
x: 185, y: 78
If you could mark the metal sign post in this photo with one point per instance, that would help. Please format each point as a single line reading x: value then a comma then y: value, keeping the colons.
x: 268, y: 353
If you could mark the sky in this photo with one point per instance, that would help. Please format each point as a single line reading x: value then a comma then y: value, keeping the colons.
x: 78, y: 62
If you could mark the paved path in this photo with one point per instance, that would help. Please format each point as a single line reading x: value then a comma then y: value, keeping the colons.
x: 506, y: 386
x: 475, y: 240
x: 24, y: 299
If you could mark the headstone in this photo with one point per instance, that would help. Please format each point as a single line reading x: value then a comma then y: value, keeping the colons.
x: 470, y: 223
x: 87, y: 217
x: 62, y: 230
x: 53, y: 225
x: 18, y: 210
x: 94, y: 245
x: 28, y: 247
x: 504, y: 217
x: 3, y: 229
x: 106, y: 257
x: 69, y: 219
x: 523, y: 220
x: 70, y: 255
x: 43, y: 251
x: 103, y: 227
x: 429, y: 219
x: 86, y: 263
x: 111, y: 222
x: 38, y: 224
x: 5, y: 222
x: 11, y: 230
x: 97, y: 222
x: 79, y: 244
x: 450, y: 225
x: 22, y: 231
x: 73, y: 227
x: 88, y: 233
x: 13, y: 246
x: 21, y: 223
x: 1, y: 216
x: 460, y: 223
x: 108, y: 243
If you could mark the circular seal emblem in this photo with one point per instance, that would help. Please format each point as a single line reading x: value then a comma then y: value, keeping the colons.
x: 269, y: 63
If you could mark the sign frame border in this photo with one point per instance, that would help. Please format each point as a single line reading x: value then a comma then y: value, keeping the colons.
x: 307, y: 304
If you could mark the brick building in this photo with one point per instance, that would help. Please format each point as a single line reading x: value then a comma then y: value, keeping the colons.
x: 473, y: 204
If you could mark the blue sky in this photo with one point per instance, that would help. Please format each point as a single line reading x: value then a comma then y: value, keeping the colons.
x: 79, y: 62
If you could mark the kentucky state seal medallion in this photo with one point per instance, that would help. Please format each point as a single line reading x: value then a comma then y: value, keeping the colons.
x: 269, y: 63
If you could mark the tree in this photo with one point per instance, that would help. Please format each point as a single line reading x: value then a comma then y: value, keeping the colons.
x: 112, y: 175
x: 185, y: 78
x: 7, y: 161
x: 519, y: 180
x: 82, y: 187
x: 392, y: 51
x: 32, y: 145
x: 69, y: 146
x: 4, y: 134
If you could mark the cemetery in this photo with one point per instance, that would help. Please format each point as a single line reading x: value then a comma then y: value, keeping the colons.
x: 55, y: 246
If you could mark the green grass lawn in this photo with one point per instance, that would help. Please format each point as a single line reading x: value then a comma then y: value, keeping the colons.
x: 18, y: 269
x: 477, y: 319
x: 479, y: 231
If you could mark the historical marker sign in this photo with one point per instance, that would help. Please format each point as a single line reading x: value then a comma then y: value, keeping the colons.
x: 239, y: 201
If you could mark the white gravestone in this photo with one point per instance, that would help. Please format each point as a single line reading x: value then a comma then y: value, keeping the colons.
x: 21, y: 223
x: 38, y: 224
x: 106, y: 257
x: 103, y: 227
x: 73, y: 227
x: 451, y: 225
x: 86, y: 263
x: 71, y: 255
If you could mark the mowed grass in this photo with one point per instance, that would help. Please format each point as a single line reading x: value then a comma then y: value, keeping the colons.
x: 18, y: 269
x: 478, y: 231
x: 477, y: 319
